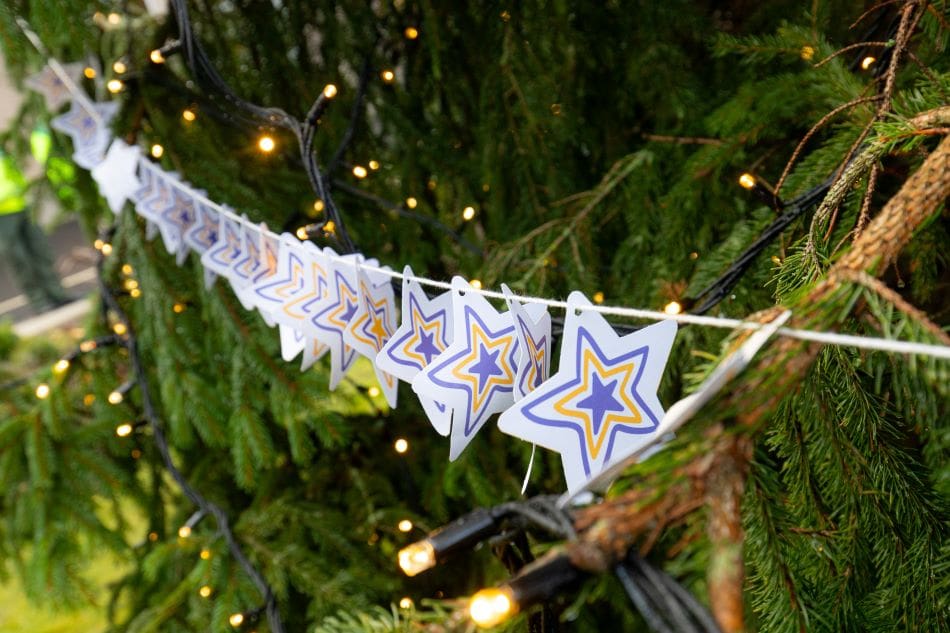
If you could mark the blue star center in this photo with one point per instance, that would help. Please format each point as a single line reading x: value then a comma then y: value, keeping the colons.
x: 350, y: 309
x: 600, y: 401
x: 487, y: 365
x: 426, y: 346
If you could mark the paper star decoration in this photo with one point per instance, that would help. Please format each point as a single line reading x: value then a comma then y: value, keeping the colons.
x: 154, y: 198
x: 227, y: 249
x: 533, y: 327
x: 475, y: 374
x: 601, y: 405
x: 269, y: 247
x: 175, y: 220
x: 249, y: 267
x: 335, y: 311
x: 116, y: 174
x: 373, y: 324
x: 425, y: 332
x: 88, y: 126
x: 270, y: 293
x: 203, y: 235
x: 292, y: 342
x: 48, y: 83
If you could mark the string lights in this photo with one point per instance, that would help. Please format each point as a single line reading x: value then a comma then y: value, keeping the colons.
x: 401, y: 445
x: 266, y: 144
x: 157, y: 150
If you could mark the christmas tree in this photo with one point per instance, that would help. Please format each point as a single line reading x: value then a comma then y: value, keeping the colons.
x: 734, y: 160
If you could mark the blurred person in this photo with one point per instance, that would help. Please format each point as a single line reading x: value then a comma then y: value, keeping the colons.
x: 23, y: 245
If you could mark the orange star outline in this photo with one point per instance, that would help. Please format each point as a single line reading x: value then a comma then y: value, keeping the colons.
x: 507, y: 379
x: 369, y: 312
x: 630, y: 416
x: 317, y: 271
x: 535, y: 353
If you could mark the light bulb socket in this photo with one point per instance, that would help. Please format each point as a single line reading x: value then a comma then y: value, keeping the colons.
x: 463, y: 533
x: 543, y: 579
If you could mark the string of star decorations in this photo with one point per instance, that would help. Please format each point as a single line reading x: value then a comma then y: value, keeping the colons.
x: 465, y: 359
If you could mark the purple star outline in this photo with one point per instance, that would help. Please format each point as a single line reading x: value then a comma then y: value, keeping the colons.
x: 440, y: 315
x: 347, y: 354
x: 384, y: 317
x: 594, y: 400
x: 538, y: 364
x: 265, y: 291
x: 227, y: 248
x: 470, y: 314
x: 204, y: 233
x: 248, y: 267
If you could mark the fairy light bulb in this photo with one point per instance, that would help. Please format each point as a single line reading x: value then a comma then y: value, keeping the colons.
x: 42, y: 391
x: 416, y: 558
x: 97, y: 244
x: 115, y: 86
x: 156, y: 57
x: 673, y: 307
x: 123, y: 430
x: 405, y: 525
x: 266, y: 144
x: 302, y: 233
x: 476, y: 284
x: 318, y: 206
x: 490, y: 607
x: 359, y: 171
x: 388, y: 76
x: 468, y: 213
x: 401, y: 445
x: 405, y: 603
x: 114, y: 18
x: 329, y: 227
x: 598, y: 297
x: 120, y: 329
x: 807, y: 52
x: 127, y: 269
x: 374, y: 165
x: 119, y: 67
x: 411, y: 33
x: 89, y: 72
x: 115, y: 397
x: 106, y: 249
x: 411, y: 202
x: 157, y: 150
x: 184, y: 531
x: 205, y: 591
x: 130, y: 284
x: 867, y: 62
x: 89, y: 399
x: 236, y: 619
x: 747, y: 181
x: 178, y: 308
x: 329, y: 91
x: 60, y: 366
x: 188, y: 114
x: 205, y: 554
x: 135, y: 293
x: 87, y: 346
x: 153, y: 536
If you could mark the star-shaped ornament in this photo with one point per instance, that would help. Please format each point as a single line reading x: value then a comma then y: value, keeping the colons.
x: 88, y: 126
x: 533, y: 327
x: 116, y: 174
x: 425, y: 332
x: 203, y: 235
x: 335, y: 311
x: 269, y: 246
x: 48, y: 83
x: 373, y: 324
x: 475, y: 374
x: 601, y: 405
x: 249, y: 267
x: 175, y: 220
x: 228, y: 248
x: 154, y: 197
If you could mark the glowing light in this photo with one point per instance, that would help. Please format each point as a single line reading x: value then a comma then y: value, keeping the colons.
x: 417, y: 558
x: 388, y: 76
x: 156, y: 57
x: 318, y: 206
x: 373, y: 392
x: 123, y: 430
x: 236, y: 620
x: 329, y: 227
x: 89, y: 399
x: 476, y: 284
x: 205, y: 591
x: 411, y: 32
x: 127, y: 269
x: 673, y: 307
x: 114, y: 86
x: 184, y: 531
x: 491, y: 607
x: 114, y: 18
x: 98, y: 244
x: 359, y: 171
x: 130, y: 284
x: 135, y: 293
x: 867, y: 62
x: 205, y: 554
x: 405, y: 525
x: 42, y: 391
x: 468, y: 213
x: 556, y: 109
x: 89, y: 72
x: 401, y: 445
x: 302, y: 233
x: 694, y: 255
x: 120, y: 329
x: 188, y: 114
x: 266, y: 144
x: 374, y: 165
x: 135, y: 453
x: 598, y: 297
x: 405, y: 603
x: 157, y: 150
x: 115, y: 397
x: 776, y: 260
x: 747, y: 181
x: 119, y: 67
x: 411, y: 202
x: 807, y: 53
x: 87, y: 346
x: 178, y: 308
x: 107, y: 249
x: 60, y: 366
x: 153, y: 536
x: 329, y: 91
